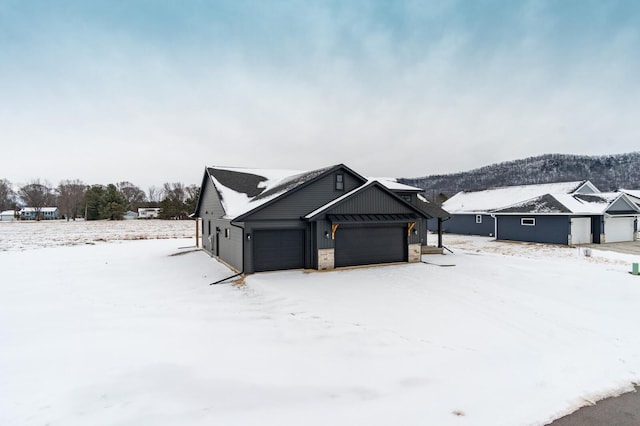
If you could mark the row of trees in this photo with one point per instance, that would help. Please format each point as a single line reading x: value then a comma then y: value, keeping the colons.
x: 93, y: 202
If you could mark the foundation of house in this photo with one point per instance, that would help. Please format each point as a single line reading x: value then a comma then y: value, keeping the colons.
x: 415, y: 250
x: 326, y: 260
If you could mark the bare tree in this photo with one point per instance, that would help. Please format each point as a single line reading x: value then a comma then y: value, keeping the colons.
x: 155, y: 194
x: 7, y: 195
x: 134, y: 196
x: 71, y: 197
x: 37, y: 194
x: 176, y: 191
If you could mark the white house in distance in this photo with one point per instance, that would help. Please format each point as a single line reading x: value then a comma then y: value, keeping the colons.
x: 148, y: 212
x: 8, y: 216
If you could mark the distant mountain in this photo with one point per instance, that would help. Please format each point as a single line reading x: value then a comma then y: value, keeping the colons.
x: 607, y: 172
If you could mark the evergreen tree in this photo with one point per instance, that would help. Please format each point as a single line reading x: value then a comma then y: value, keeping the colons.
x: 94, y: 202
x: 114, y: 204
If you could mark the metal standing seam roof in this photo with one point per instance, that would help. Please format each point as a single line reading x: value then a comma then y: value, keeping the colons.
x: 371, y: 218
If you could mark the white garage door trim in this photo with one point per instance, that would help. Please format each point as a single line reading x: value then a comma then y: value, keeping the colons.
x: 617, y: 229
x: 581, y: 230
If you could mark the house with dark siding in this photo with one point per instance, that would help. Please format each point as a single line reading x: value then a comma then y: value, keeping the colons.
x: 471, y: 212
x: 266, y: 220
x: 570, y: 219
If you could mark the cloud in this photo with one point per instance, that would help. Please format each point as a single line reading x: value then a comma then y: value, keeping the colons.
x: 391, y: 89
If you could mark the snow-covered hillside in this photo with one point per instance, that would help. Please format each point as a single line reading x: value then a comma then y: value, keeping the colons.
x: 121, y: 332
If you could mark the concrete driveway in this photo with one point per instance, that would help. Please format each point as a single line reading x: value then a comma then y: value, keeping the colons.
x: 628, y: 247
x: 620, y: 411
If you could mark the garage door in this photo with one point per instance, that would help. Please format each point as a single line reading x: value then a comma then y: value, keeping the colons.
x: 618, y: 229
x: 278, y: 249
x: 581, y: 230
x: 370, y: 244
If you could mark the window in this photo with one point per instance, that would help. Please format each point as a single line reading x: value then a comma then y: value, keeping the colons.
x: 478, y: 218
x: 339, y: 182
x: 406, y: 198
x: 528, y: 221
x: 227, y: 233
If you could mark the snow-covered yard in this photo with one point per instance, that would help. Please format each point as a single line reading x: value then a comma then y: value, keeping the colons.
x: 122, y: 333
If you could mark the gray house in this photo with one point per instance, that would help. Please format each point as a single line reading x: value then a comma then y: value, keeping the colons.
x: 570, y: 219
x: 471, y: 212
x: 265, y: 220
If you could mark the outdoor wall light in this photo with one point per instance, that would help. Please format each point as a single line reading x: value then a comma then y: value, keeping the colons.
x: 326, y: 234
x: 248, y: 236
x: 415, y: 231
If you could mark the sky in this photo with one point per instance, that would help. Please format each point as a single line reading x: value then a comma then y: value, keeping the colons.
x: 152, y: 91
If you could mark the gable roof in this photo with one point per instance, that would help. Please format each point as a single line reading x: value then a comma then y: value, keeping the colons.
x: 370, y: 184
x: 587, y: 204
x: 497, y: 198
x: 243, y: 191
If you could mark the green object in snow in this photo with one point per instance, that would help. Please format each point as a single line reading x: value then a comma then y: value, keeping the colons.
x: 634, y: 269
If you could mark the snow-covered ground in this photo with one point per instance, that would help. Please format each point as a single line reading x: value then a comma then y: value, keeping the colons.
x: 123, y: 333
x: 31, y: 234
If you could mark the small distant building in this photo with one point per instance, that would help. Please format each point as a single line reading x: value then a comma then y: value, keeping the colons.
x: 130, y: 215
x: 148, y: 212
x: 8, y: 216
x: 44, y: 213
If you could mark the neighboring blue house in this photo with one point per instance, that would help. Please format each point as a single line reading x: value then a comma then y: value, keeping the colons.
x: 570, y: 219
x: 43, y: 213
x: 471, y: 212
x: 266, y: 220
x: 633, y: 194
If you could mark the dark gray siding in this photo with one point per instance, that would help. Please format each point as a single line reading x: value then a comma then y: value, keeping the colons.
x: 299, y: 203
x: 214, y: 240
x: 230, y: 246
x: 465, y: 224
x: 548, y: 229
x: 210, y: 211
x: 597, y: 225
x: 371, y: 200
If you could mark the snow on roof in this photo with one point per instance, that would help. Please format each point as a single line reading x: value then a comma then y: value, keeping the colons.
x: 7, y: 213
x: 592, y: 204
x: 394, y: 185
x: 242, y: 190
x: 497, y: 198
x: 42, y: 209
x: 247, y: 189
x: 633, y: 192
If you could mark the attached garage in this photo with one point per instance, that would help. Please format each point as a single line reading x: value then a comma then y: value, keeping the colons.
x: 278, y: 249
x: 581, y: 230
x: 365, y: 245
x: 617, y: 229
